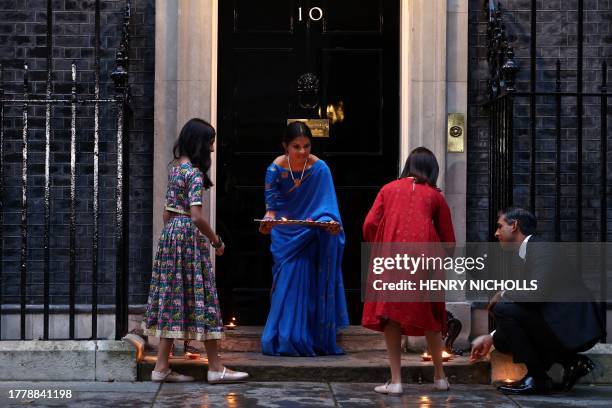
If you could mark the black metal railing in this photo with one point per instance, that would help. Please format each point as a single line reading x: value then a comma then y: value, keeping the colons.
x: 504, y: 101
x: 501, y: 104
x: 501, y: 87
x: 27, y: 102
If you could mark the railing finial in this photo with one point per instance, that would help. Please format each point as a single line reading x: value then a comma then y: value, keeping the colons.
x: 500, y: 54
x: 120, y: 75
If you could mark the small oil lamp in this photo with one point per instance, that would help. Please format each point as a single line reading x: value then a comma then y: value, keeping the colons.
x: 192, y: 356
x: 427, y: 357
x: 191, y: 353
x: 232, y: 324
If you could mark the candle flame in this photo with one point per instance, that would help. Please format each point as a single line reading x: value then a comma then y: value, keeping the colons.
x: 425, y: 356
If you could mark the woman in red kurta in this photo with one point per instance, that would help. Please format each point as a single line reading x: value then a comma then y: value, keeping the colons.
x: 410, y: 209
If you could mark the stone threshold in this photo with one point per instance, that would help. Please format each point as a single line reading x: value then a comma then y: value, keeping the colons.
x: 109, y: 360
x: 371, y: 366
x: 351, y: 339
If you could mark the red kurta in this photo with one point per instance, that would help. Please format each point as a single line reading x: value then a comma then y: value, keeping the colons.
x: 405, y: 211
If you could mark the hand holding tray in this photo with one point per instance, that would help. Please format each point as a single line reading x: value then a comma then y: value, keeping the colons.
x: 332, y: 226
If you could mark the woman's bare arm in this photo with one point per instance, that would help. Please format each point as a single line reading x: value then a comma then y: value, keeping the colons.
x: 197, y: 216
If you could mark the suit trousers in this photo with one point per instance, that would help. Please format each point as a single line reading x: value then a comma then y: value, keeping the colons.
x: 521, y: 331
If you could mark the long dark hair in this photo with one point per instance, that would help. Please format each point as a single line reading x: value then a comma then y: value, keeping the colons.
x: 423, y: 166
x: 295, y: 130
x: 194, y: 142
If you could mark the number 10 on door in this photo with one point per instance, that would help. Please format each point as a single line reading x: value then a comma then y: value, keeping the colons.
x: 315, y: 13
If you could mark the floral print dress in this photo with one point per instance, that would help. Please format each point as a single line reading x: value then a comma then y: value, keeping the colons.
x: 183, y: 301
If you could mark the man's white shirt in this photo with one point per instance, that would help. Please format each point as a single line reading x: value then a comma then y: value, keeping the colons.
x: 522, y: 253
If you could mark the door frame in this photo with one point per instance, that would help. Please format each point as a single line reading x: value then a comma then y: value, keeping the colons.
x: 405, y: 88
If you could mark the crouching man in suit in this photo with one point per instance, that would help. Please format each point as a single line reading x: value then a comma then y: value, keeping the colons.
x: 540, y: 334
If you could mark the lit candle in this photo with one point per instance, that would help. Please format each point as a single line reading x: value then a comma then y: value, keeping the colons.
x: 189, y: 354
x: 232, y: 324
x: 192, y: 356
x: 427, y: 357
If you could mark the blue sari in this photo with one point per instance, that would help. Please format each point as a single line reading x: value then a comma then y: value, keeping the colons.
x: 308, y: 304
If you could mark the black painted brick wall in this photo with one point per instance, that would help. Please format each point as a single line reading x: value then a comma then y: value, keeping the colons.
x: 23, y: 39
x: 556, y: 39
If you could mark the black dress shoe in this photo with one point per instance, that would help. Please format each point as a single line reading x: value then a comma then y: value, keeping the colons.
x: 572, y: 372
x: 527, y: 386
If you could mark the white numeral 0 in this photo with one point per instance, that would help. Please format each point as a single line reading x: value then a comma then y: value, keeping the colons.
x: 311, y: 13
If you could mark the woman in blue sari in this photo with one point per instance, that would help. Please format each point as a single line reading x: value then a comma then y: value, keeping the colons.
x: 308, y: 304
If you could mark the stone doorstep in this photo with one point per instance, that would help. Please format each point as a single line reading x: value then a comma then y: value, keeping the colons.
x: 108, y: 360
x: 67, y: 360
x: 503, y: 368
x: 351, y: 339
x: 368, y: 367
x: 248, y: 339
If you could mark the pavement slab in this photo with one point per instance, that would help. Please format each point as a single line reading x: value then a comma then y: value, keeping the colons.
x: 581, y: 396
x: 83, y: 394
x: 291, y: 394
x: 354, y: 395
x: 268, y: 394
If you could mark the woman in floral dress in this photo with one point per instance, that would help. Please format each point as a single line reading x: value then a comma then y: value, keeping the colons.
x: 183, y: 302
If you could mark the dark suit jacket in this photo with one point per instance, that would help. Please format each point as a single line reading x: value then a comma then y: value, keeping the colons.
x: 577, y: 324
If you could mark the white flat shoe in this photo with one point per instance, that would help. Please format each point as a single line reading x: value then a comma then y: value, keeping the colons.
x: 225, y: 376
x: 170, y: 376
x: 389, y: 388
x: 441, y: 384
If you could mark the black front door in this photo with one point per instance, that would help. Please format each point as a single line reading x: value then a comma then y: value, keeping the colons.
x: 265, y: 46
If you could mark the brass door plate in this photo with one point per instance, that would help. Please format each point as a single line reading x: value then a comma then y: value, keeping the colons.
x: 455, y: 132
x: 318, y: 127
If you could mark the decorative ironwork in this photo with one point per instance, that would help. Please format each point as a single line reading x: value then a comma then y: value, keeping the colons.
x: 96, y: 176
x: 73, y: 132
x: 24, y: 202
x: 502, y: 95
x: 500, y: 54
x: 120, y: 74
x: 1, y: 182
x: 454, y: 328
x: 47, y: 193
x: 122, y: 91
x: 121, y: 99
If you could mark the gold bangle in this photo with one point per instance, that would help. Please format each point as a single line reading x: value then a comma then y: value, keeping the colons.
x: 219, y: 243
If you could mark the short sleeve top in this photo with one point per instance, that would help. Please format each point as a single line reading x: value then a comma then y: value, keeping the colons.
x: 185, y: 185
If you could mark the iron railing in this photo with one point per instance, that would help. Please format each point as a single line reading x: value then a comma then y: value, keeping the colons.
x: 121, y: 103
x: 502, y: 105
